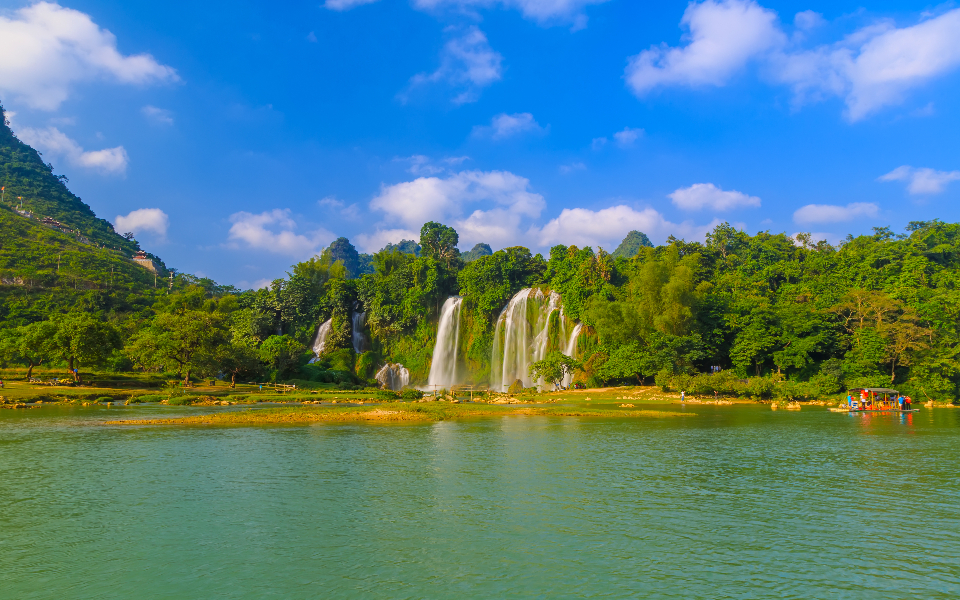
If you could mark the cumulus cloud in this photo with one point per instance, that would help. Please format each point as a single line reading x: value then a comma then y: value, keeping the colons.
x: 341, y: 5
x: 504, y: 200
x: 467, y: 64
x: 544, y: 12
x: 701, y: 196
x: 273, y: 231
x: 830, y: 213
x: 374, y: 242
x: 627, y: 136
x: 607, y: 227
x: 873, y: 67
x: 53, y: 141
x: 505, y: 126
x: 922, y: 180
x: 723, y: 37
x: 47, y: 49
x: 161, y: 116
x: 143, y: 219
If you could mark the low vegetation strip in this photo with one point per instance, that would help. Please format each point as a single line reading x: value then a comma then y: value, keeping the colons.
x: 386, y: 413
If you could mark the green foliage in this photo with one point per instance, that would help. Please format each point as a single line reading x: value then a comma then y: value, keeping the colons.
x: 411, y: 394
x: 283, y: 355
x: 404, y: 246
x: 478, y: 251
x: 554, y: 367
x: 515, y: 388
x: 632, y: 244
x: 439, y: 242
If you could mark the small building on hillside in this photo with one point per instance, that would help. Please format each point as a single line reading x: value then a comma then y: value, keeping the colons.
x: 144, y: 261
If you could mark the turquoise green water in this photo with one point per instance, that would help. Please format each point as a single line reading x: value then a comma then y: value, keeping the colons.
x: 737, y: 502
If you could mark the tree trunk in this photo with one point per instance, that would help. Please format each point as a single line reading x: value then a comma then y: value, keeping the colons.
x: 74, y: 372
x: 30, y: 370
x: 186, y: 377
x: 893, y: 373
x: 233, y: 380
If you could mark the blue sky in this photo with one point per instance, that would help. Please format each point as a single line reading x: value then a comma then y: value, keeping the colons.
x: 237, y: 138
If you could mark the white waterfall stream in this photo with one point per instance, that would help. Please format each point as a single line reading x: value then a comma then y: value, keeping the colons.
x: 522, y: 336
x: 393, y: 376
x: 321, y: 339
x: 443, y: 368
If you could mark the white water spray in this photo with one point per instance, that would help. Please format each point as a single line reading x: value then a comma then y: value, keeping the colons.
x: 393, y: 376
x: 320, y: 341
x: 443, y: 369
x: 522, y: 337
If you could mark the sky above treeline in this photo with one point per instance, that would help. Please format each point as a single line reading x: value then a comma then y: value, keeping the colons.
x: 236, y: 138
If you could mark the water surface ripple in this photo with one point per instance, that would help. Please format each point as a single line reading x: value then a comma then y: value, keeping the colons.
x: 736, y: 502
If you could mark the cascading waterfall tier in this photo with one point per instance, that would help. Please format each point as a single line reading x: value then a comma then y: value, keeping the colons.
x: 523, y: 336
x: 357, y: 321
x: 320, y: 341
x: 393, y: 376
x: 443, y: 368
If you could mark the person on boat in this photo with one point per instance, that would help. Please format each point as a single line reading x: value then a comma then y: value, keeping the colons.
x: 906, y: 403
x: 900, y: 401
x: 851, y: 402
x: 683, y: 397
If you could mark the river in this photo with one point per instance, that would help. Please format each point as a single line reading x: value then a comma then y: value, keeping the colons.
x: 736, y: 502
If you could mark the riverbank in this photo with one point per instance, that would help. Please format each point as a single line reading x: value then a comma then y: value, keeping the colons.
x: 391, y: 412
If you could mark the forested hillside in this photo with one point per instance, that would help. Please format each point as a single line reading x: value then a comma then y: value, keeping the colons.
x: 739, y: 313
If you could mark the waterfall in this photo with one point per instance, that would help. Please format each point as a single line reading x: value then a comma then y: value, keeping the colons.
x: 321, y: 340
x: 393, y: 376
x: 359, y: 341
x: 443, y: 369
x: 571, y: 351
x: 522, y: 336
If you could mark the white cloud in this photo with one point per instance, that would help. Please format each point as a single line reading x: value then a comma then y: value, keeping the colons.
x: 598, y: 143
x: 545, y: 12
x: 47, y: 48
x: 922, y: 180
x: 873, y: 67
x: 143, y: 219
x: 160, y: 116
x: 259, y: 284
x: 347, y: 211
x: 273, y: 231
x: 607, y: 227
x: 724, y: 35
x: 830, y: 213
x: 701, y: 196
x: 374, y: 242
x: 627, y: 137
x: 877, y: 65
x: 467, y: 63
x: 341, y: 5
x: 53, y: 141
x: 504, y: 126
x: 505, y: 201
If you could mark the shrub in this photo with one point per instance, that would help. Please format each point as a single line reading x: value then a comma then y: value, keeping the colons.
x: 104, y: 399
x: 515, y: 388
x: 387, y: 395
x: 411, y: 394
x: 146, y: 398
x: 181, y: 400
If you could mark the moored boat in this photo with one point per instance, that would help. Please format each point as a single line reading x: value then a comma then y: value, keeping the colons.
x: 876, y: 400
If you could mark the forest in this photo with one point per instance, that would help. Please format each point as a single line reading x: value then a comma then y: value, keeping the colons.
x: 747, y: 315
